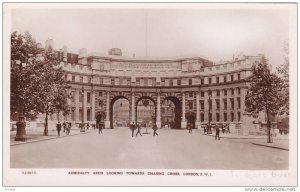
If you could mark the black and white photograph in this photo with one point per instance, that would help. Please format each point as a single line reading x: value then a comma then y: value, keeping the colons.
x: 149, y: 94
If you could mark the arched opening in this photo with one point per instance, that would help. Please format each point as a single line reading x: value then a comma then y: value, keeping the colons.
x: 119, y: 112
x: 145, y: 110
x: 171, y: 112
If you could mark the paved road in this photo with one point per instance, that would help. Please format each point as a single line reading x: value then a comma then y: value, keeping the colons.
x: 171, y: 149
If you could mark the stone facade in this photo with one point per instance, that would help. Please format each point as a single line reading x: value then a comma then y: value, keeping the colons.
x: 98, y: 81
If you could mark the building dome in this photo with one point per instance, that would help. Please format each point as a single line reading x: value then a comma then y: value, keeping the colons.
x: 115, y: 51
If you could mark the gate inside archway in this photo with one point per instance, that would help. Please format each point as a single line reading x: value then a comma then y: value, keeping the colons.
x: 145, y: 111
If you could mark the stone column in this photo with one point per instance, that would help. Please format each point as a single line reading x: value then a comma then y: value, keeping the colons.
x: 206, y: 106
x: 197, y: 109
x: 93, y: 106
x: 183, y: 120
x: 68, y: 118
x: 76, y: 105
x: 221, y: 107
x: 133, y: 108
x: 106, y: 121
x: 158, y: 114
x: 213, y: 106
x: 84, y: 105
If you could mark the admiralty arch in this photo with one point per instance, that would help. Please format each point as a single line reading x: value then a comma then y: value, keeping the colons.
x: 200, y: 90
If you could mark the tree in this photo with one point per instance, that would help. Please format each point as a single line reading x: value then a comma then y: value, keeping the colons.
x: 263, y: 92
x: 38, y: 85
x: 283, y: 71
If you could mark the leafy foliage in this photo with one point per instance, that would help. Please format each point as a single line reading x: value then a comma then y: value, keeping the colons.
x: 37, y: 81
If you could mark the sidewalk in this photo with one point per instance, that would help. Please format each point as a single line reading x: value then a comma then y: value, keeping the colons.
x: 34, y: 136
x: 279, y: 142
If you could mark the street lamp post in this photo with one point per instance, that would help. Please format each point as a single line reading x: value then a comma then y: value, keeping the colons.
x: 209, y: 113
x: 82, y: 128
x: 21, y: 124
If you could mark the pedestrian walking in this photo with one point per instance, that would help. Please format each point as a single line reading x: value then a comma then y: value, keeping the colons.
x: 100, y: 126
x: 132, y: 128
x: 58, y: 128
x: 88, y: 125
x: 227, y: 128
x: 217, y: 133
x: 189, y: 126
x: 138, y: 130
x: 69, y: 128
x: 223, y: 128
x: 154, y: 130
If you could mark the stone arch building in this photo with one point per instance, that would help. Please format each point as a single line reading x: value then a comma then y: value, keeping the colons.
x: 198, y: 87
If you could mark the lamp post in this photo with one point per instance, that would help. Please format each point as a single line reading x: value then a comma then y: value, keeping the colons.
x: 209, y: 112
x: 82, y: 128
x: 21, y: 124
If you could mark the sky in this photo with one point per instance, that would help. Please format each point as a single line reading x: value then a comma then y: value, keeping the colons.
x: 212, y: 33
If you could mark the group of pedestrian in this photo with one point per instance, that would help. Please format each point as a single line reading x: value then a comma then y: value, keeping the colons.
x: 66, y: 127
x: 137, y: 126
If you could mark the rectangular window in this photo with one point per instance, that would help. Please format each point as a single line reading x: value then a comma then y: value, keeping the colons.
x: 232, y: 77
x: 171, y: 83
x: 128, y: 81
x: 210, y: 104
x: 100, y: 81
x: 80, y: 97
x: 88, y: 95
x: 190, y: 94
x: 112, y: 81
x: 162, y: 82
x: 225, y: 79
x: 225, y: 103
x: 210, y: 116
x: 73, y: 78
x: 232, y: 103
x: 239, y: 116
x: 239, y: 90
x: 100, y: 93
x: 232, y: 116
x: 225, y: 92
x: 191, y: 105
x: 145, y: 82
x: 218, y: 103
x: 202, y: 104
x: 178, y: 82
x: 81, y: 79
x: 218, y: 92
x: 232, y: 91
x: 209, y: 80
x: 225, y: 117
x: 239, y: 102
x: 202, y: 93
x: 202, y: 81
x: 190, y: 81
x: 239, y: 76
x: 218, y: 117
x: 218, y: 79
x: 89, y: 79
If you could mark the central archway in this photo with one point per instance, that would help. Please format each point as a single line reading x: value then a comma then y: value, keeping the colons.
x: 145, y: 110
x: 122, y: 114
x: 176, y: 123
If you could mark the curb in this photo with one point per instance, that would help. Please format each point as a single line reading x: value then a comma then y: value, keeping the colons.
x: 281, y: 148
x: 212, y: 135
x: 33, y: 141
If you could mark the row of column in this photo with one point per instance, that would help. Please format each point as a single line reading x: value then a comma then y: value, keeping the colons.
x: 84, y: 105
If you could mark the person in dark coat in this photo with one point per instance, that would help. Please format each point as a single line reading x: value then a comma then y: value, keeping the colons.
x: 217, y: 133
x: 58, y: 128
x: 189, y: 127
x: 138, y: 126
x: 101, y: 126
x: 64, y: 126
x: 68, y: 128
x: 154, y: 130
x: 132, y: 128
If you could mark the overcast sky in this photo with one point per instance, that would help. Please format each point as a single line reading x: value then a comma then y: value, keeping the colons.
x: 215, y: 34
